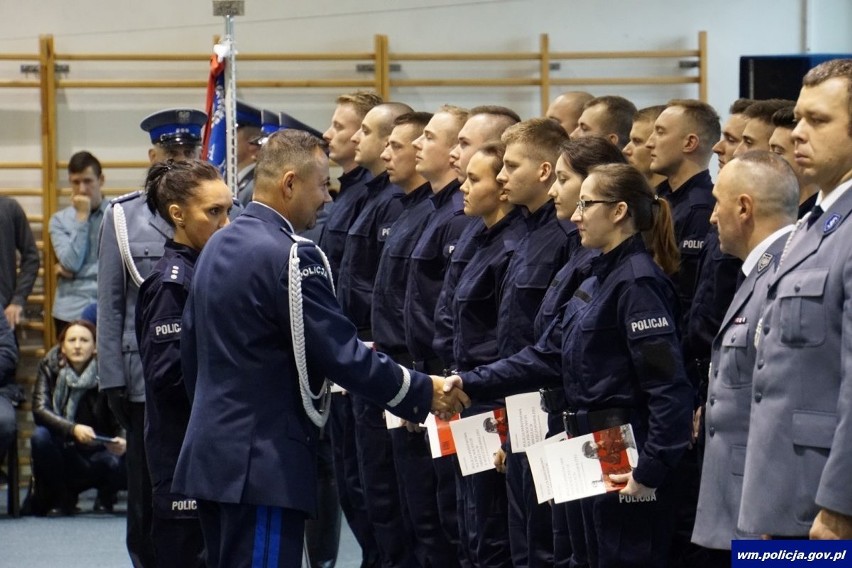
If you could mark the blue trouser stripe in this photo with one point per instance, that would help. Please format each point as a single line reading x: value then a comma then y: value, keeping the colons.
x: 274, y: 538
x: 258, y: 557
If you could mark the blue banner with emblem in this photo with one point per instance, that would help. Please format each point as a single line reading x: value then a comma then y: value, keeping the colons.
x: 216, y: 133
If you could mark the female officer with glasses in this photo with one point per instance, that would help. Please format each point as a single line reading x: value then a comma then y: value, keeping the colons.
x: 619, y: 362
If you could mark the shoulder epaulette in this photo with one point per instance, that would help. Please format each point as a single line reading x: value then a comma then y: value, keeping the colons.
x: 174, y: 274
x: 128, y: 196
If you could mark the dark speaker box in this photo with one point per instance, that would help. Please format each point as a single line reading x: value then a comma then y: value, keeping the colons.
x: 778, y: 76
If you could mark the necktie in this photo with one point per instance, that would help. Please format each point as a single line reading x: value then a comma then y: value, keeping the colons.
x: 814, y: 215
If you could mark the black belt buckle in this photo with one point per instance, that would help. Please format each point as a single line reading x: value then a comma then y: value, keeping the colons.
x: 552, y: 400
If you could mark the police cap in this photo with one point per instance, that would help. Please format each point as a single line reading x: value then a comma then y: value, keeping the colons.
x: 247, y: 115
x: 175, y: 126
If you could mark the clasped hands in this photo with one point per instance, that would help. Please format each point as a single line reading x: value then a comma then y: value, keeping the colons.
x: 448, y: 398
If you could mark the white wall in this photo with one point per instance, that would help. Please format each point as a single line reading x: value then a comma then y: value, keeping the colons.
x: 106, y: 122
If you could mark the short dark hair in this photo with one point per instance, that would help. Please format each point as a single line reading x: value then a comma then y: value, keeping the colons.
x: 836, y: 68
x: 648, y: 113
x: 784, y: 118
x: 619, y: 115
x: 287, y: 150
x: 419, y: 119
x: 740, y: 105
x: 174, y: 182
x: 82, y: 160
x: 764, y: 109
x: 703, y: 118
x: 582, y: 154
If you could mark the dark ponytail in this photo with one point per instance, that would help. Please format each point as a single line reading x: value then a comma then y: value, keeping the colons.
x: 175, y: 182
x: 651, y: 216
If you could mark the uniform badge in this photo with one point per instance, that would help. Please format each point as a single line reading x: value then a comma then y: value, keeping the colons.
x: 740, y: 320
x: 183, y: 116
x: 831, y: 223
x: 653, y: 324
x: 764, y: 262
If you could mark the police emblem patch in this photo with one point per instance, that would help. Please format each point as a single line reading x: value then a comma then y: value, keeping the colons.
x: 764, y: 262
x: 183, y: 116
x: 831, y: 223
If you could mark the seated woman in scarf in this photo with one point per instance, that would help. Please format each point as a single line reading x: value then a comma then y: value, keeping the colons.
x: 76, y: 443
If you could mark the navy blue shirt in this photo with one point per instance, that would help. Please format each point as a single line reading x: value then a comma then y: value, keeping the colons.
x: 562, y: 287
x: 159, y: 308
x: 620, y: 349
x: 429, y: 261
x: 341, y: 214
x: 692, y: 204
x: 363, y: 249
x: 544, y: 249
x: 480, y: 288
x: 389, y: 286
x: 465, y: 248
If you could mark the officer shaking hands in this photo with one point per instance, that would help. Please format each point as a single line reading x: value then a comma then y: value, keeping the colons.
x: 261, y: 330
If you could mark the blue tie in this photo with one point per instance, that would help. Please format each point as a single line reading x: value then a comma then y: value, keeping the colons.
x: 815, y: 214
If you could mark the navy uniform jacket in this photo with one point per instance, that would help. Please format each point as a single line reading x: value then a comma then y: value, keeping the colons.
x: 249, y: 440
x: 363, y: 249
x: 692, y: 204
x: 545, y: 248
x: 464, y: 250
x: 718, y: 274
x: 119, y: 364
x: 480, y: 287
x: 619, y: 349
x: 801, y: 410
x: 341, y: 214
x: 728, y: 406
x: 159, y: 308
x: 562, y: 287
x: 429, y: 261
x: 389, y: 286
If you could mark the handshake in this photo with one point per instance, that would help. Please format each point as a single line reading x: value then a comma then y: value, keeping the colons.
x: 448, y: 398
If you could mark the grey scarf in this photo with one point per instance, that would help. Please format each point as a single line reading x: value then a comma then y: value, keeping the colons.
x: 70, y: 388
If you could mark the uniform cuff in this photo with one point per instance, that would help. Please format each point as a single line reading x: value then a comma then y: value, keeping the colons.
x: 650, y: 472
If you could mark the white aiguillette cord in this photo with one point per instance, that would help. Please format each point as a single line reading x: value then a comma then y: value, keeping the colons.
x: 297, y: 331
x: 124, y: 244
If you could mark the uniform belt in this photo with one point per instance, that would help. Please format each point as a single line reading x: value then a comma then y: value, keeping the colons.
x: 581, y: 422
x: 553, y: 400
x: 433, y: 366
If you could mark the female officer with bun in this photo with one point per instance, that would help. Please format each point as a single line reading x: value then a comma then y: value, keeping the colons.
x: 619, y: 362
x: 194, y: 200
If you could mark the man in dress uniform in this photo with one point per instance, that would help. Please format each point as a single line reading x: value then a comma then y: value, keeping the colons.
x: 132, y: 241
x: 802, y: 384
x: 757, y: 195
x: 262, y: 330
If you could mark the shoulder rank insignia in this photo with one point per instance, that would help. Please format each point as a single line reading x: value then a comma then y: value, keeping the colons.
x: 174, y: 274
x: 764, y: 262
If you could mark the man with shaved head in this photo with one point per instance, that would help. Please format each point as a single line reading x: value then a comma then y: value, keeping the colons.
x: 484, y: 124
x: 567, y: 108
x: 757, y: 197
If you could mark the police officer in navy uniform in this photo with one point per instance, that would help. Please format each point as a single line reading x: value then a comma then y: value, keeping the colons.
x: 261, y: 331
x: 619, y: 362
x: 358, y: 267
x: 194, y: 200
x: 532, y: 152
x: 132, y: 241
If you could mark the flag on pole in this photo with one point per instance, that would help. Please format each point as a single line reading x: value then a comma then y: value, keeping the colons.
x: 216, y: 133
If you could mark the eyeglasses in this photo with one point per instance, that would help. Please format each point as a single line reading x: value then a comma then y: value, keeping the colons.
x: 584, y: 204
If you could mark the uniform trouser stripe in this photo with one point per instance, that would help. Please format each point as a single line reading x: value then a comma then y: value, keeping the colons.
x: 267, y: 538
